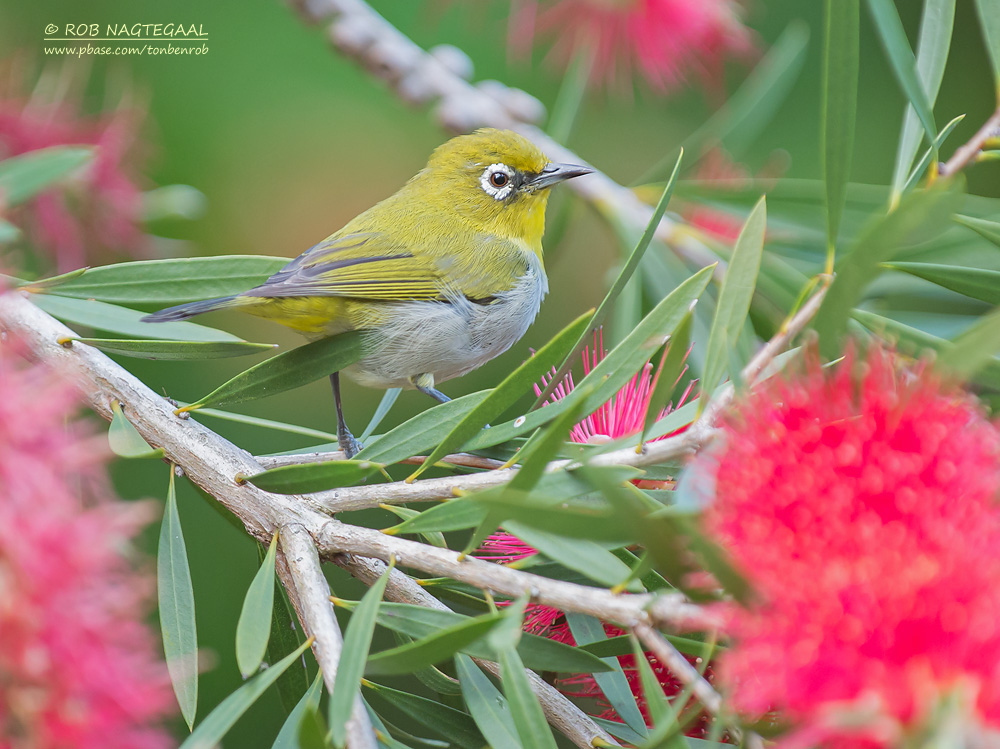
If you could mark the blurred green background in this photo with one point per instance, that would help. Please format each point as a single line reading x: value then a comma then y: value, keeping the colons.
x: 287, y: 140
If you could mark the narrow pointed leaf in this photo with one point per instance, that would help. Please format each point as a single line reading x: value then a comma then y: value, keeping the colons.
x: 920, y: 213
x: 288, y: 736
x: 25, y: 175
x: 734, y: 297
x: 175, y: 350
x: 388, y: 399
x: 839, y: 107
x: 432, y: 649
x: 357, y: 642
x: 543, y: 446
x: 486, y: 704
x: 453, y: 515
x: 284, y: 639
x: 656, y: 701
x: 582, y: 555
x: 421, y: 433
x: 278, y: 426
x: 615, y: 686
x: 434, y: 538
x: 254, y: 627
x: 172, y: 281
x: 455, y: 725
x: 904, y: 65
x: 216, y: 725
x: 615, y: 369
x: 287, y: 370
x: 936, y: 25
x: 312, y: 730
x: 975, y: 348
x: 977, y: 283
x: 125, y: 440
x: 989, y: 230
x: 509, y: 391
x: 989, y: 21
x: 929, y: 155
x: 124, y: 321
x: 45, y: 284
x: 607, y: 304
x: 525, y: 710
x: 175, y: 598
x: 670, y: 372
x: 305, y: 478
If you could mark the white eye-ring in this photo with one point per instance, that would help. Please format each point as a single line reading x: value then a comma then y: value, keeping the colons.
x: 497, y: 181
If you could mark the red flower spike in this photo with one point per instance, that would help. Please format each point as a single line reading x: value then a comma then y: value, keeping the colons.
x: 78, y: 666
x: 861, y: 505
x: 663, y: 41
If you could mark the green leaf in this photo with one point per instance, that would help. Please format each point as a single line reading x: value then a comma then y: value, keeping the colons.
x: 974, y: 348
x: 928, y: 155
x: 622, y: 645
x: 288, y: 736
x: 287, y: 370
x: 452, y: 515
x: 989, y: 230
x: 509, y: 391
x: 615, y: 686
x: 357, y: 643
x: 422, y: 432
x: 536, y: 454
x: 124, y: 321
x: 26, y: 175
x: 175, y: 598
x: 125, y: 440
x: 920, y: 213
x: 175, y: 350
x: 893, y: 36
x: 312, y: 731
x: 582, y: 555
x: 977, y: 283
x: 608, y: 302
x: 656, y: 700
x: 734, y: 298
x: 615, y: 369
x: 212, y: 730
x: 455, y: 725
x: 432, y: 649
x: 284, y: 639
x: 278, y: 426
x: 172, y: 281
x: 44, y: 284
x: 936, y: 25
x: 666, y: 379
x: 839, y: 108
x: 434, y: 538
x: 306, y: 478
x: 254, y: 627
x: 989, y: 21
x: 525, y: 710
x: 486, y: 704
x: 388, y: 399
x: 751, y: 108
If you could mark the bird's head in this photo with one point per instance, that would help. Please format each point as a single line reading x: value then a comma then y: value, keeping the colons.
x: 498, y: 180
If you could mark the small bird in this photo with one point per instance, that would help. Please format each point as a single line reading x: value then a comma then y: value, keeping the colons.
x: 441, y: 277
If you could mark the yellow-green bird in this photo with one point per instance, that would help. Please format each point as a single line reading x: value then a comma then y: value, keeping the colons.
x: 441, y: 277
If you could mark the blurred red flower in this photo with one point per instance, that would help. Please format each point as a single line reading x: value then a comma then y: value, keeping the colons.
x: 663, y: 41
x: 89, y: 218
x: 861, y: 505
x: 78, y: 666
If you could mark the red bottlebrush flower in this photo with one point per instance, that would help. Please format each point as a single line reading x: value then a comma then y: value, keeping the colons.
x: 662, y: 40
x: 623, y: 415
x: 95, y: 214
x: 863, y: 510
x: 78, y: 666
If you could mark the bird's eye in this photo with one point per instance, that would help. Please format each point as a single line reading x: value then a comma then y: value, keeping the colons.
x: 499, y: 179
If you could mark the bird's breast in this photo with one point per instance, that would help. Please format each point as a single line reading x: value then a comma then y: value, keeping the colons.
x: 448, y: 339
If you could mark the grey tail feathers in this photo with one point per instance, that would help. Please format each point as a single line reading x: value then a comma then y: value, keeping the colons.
x: 184, y: 311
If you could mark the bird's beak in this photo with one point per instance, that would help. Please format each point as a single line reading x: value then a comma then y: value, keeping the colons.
x: 555, y: 173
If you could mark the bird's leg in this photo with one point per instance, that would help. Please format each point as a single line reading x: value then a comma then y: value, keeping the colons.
x: 345, y: 439
x: 425, y: 384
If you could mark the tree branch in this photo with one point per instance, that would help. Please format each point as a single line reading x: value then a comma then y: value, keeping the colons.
x: 970, y: 150
x: 309, y: 593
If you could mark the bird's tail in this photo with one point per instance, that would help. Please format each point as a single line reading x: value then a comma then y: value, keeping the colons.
x: 184, y: 311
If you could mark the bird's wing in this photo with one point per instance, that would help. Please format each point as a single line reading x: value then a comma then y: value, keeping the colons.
x: 358, y: 265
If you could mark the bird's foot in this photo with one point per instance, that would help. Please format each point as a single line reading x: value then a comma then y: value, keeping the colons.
x: 348, y: 444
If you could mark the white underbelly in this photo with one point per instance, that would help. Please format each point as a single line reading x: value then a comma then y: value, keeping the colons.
x: 447, y: 339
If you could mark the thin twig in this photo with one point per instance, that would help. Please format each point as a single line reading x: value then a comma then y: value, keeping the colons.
x: 970, y: 150
x: 680, y: 667
x: 309, y: 593
x: 564, y: 716
x: 465, y: 460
